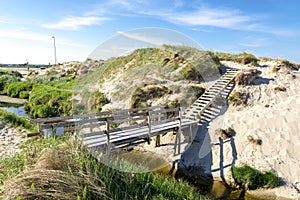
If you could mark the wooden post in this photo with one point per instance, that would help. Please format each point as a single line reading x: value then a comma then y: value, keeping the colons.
x: 39, y: 129
x: 157, y: 140
x: 107, y: 136
x: 178, y: 134
x: 129, y: 118
x: 179, y: 129
x: 149, y: 125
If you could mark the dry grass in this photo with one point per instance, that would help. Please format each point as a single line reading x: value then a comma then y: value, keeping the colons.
x: 245, y: 77
x: 238, y: 98
x: 41, y: 184
x: 252, y: 140
x: 141, y: 96
x: 225, y: 133
x: 50, y: 177
x: 279, y: 89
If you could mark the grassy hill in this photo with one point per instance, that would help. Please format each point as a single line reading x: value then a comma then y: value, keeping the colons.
x: 180, y: 70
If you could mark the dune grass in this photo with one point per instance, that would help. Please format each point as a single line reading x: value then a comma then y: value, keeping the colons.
x: 250, y: 178
x: 60, y: 169
x: 243, y: 58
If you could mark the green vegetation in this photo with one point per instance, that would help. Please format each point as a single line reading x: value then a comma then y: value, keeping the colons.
x: 7, y: 78
x: 243, y: 58
x: 238, y: 98
x: 14, y: 89
x: 252, y: 179
x: 16, y: 120
x: 141, y: 95
x: 11, y: 73
x: 191, y: 62
x: 60, y: 169
x: 90, y: 102
x: 49, y: 101
x: 288, y: 64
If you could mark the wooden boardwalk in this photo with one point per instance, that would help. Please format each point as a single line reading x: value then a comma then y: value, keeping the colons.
x: 114, y: 130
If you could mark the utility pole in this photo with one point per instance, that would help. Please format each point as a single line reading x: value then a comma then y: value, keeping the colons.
x: 55, y: 59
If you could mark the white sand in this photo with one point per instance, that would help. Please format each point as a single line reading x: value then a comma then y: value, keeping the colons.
x: 10, y: 139
x: 273, y: 117
x: 278, y: 126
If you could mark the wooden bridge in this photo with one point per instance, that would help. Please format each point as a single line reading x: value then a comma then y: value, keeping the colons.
x: 114, y: 130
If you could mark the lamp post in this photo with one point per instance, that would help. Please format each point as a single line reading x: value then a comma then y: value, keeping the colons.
x: 55, y: 60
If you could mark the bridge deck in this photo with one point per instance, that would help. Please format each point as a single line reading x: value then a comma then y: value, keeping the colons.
x: 120, y: 137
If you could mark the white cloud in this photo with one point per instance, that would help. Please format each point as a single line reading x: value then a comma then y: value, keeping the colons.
x: 143, y: 38
x: 250, y: 44
x: 73, y: 23
x: 25, y: 35
x: 223, y: 18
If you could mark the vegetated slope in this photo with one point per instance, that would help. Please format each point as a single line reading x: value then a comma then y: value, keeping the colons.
x: 169, y: 76
x: 60, y: 169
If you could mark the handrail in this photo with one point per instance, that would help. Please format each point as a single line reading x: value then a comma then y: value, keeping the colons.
x: 57, y: 119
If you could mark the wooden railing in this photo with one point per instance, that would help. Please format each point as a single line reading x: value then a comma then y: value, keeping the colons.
x: 117, y: 129
x: 91, y: 120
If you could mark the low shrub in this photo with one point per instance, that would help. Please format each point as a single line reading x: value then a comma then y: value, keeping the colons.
x: 14, y: 89
x: 250, y: 178
x: 142, y: 95
x: 238, y: 98
x: 287, y: 64
x: 48, y: 101
x: 11, y: 73
x: 243, y: 58
x: 6, y: 80
x: 254, y: 141
x: 224, y: 133
x: 90, y: 101
x: 24, y: 95
x: 245, y: 77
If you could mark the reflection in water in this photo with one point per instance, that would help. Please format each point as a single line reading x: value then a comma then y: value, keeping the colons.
x: 17, y: 109
x: 207, y: 187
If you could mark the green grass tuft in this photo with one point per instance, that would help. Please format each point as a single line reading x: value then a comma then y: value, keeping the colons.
x: 250, y: 178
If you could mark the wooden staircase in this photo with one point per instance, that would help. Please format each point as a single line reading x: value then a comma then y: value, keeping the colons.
x: 202, y: 107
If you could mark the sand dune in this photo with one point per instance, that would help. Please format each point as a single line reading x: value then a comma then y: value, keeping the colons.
x: 273, y: 117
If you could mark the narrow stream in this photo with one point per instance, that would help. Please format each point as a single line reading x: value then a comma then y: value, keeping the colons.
x: 18, y: 109
x: 210, y: 189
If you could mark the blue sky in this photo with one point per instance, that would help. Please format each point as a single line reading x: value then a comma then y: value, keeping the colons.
x: 266, y: 28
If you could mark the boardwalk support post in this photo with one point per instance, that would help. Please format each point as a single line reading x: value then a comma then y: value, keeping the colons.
x: 107, y: 136
x: 149, y: 125
x: 179, y: 132
x: 157, y: 139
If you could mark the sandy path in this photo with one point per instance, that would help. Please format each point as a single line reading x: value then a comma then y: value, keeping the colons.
x: 6, y: 99
x: 10, y: 139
